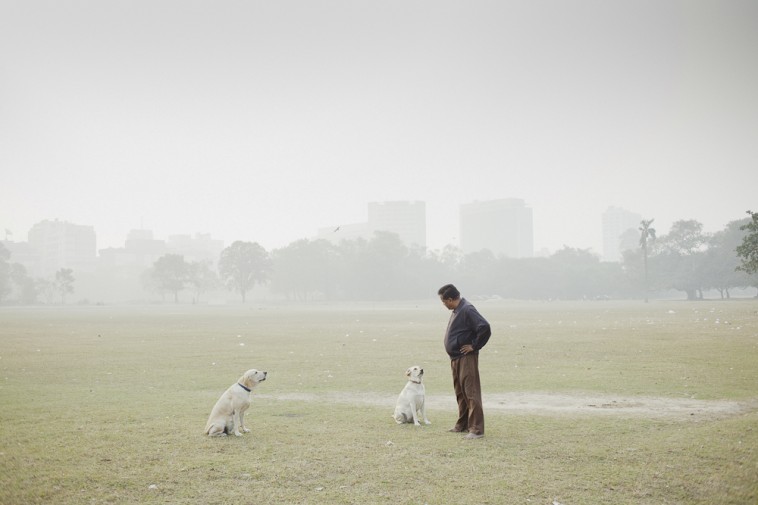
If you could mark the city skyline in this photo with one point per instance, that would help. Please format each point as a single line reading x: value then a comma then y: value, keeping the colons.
x: 350, y: 231
x: 504, y: 227
x: 265, y: 121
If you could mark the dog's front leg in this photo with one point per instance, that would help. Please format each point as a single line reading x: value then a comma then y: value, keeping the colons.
x: 242, y: 422
x: 236, y: 421
x: 423, y: 413
x: 415, y: 413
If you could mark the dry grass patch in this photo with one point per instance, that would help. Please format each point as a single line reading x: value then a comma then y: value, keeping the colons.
x: 98, y: 404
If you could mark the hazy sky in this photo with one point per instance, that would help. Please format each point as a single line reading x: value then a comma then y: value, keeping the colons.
x: 265, y: 121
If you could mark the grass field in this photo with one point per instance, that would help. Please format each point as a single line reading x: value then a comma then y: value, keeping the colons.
x: 106, y: 405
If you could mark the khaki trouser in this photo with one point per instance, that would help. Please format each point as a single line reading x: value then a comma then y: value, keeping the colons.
x: 468, y: 393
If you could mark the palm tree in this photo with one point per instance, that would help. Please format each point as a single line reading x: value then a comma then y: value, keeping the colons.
x: 648, y: 233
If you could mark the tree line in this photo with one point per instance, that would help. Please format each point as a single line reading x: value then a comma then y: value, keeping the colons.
x: 17, y: 285
x: 383, y: 268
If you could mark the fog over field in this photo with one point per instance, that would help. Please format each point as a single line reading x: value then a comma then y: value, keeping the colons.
x: 265, y: 121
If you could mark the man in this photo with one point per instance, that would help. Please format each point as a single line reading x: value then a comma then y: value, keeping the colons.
x: 467, y: 332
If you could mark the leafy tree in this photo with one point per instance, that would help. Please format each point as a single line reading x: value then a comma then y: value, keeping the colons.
x: 612, y: 282
x: 530, y: 278
x: 5, y: 273
x: 686, y: 237
x: 451, y: 258
x: 64, y: 283
x: 680, y: 257
x: 421, y: 272
x: 478, y: 268
x: 170, y: 274
x: 201, y: 278
x: 26, y: 288
x: 385, y: 265
x: 46, y: 288
x: 304, y: 268
x: 351, y: 269
x: 574, y: 274
x: 748, y: 249
x: 720, y: 267
x: 148, y: 281
x: 13, y: 278
x: 647, y: 234
x: 243, y: 265
x: 372, y: 269
x: 632, y: 267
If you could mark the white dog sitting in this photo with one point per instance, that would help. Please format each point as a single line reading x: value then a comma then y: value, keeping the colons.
x: 412, y: 399
x: 228, y: 415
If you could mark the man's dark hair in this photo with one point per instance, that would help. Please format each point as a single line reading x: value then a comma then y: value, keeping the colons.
x: 449, y: 292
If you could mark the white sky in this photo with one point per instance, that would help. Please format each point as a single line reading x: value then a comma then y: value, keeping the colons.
x: 266, y: 120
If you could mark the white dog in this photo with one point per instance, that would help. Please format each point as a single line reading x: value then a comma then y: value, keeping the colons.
x: 228, y: 415
x: 411, y: 399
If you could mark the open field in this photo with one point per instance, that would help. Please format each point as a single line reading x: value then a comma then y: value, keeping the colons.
x: 585, y: 403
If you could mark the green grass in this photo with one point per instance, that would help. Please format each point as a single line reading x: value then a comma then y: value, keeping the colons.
x: 99, y: 403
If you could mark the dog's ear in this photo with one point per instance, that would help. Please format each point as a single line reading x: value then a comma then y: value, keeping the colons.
x: 408, y: 373
x: 250, y: 378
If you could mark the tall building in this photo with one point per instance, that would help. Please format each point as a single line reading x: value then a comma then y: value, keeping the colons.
x: 502, y: 226
x: 140, y: 250
x: 407, y: 219
x: 617, y: 223
x: 60, y: 244
x: 201, y: 247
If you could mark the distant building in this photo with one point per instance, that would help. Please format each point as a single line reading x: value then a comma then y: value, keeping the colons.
x: 404, y: 218
x: 201, y: 247
x: 407, y: 219
x: 502, y: 226
x: 60, y: 244
x: 144, y: 249
x: 140, y: 250
x: 21, y: 253
x: 617, y: 223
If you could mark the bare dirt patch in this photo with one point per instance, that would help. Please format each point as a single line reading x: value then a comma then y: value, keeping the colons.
x: 536, y: 403
x: 551, y: 404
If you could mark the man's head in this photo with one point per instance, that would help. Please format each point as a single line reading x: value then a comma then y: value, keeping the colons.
x: 450, y: 296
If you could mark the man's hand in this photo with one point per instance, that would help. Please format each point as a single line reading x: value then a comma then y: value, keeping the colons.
x: 467, y: 349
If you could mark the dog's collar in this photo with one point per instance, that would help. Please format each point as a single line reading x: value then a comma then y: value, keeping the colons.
x: 417, y: 382
x: 243, y: 387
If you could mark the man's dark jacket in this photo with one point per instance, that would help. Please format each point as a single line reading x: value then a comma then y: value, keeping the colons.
x: 466, y: 326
